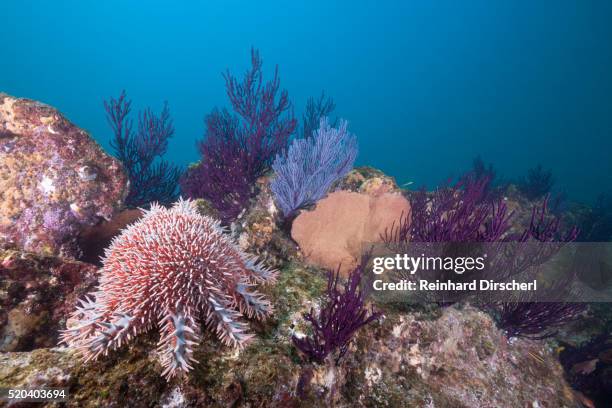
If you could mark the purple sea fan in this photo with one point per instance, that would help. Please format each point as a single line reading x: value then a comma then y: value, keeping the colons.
x: 310, y: 166
x: 173, y: 269
x: 238, y: 149
x: 338, y: 320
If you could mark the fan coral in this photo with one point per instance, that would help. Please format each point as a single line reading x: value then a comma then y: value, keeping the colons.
x: 238, y: 150
x: 311, y: 165
x: 340, y: 318
x: 170, y: 269
x: 149, y: 181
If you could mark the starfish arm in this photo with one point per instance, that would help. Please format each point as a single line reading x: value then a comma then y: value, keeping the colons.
x: 256, y: 270
x: 94, y: 328
x: 250, y: 302
x: 179, y: 333
x: 82, y: 322
x: 226, y: 321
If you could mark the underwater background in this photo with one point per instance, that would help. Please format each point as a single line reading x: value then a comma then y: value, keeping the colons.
x: 250, y: 235
x: 425, y: 86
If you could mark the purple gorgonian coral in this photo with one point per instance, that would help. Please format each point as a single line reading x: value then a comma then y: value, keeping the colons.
x: 456, y: 215
x: 151, y: 178
x: 342, y: 315
x: 239, y: 147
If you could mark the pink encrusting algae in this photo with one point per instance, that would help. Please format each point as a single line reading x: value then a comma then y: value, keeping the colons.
x: 174, y: 269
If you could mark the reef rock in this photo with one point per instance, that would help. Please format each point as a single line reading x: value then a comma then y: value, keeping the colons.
x: 54, y: 179
x: 259, y: 229
x: 94, y: 239
x: 368, y: 180
x: 334, y: 233
x: 450, y: 358
x: 36, y: 294
x: 456, y: 359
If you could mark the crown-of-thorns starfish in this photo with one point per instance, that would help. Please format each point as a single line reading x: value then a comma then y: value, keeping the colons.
x: 174, y: 269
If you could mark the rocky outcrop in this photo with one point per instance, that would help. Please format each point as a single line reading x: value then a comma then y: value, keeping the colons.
x: 259, y: 230
x: 36, y: 295
x: 94, y: 239
x: 455, y: 358
x: 413, y: 357
x: 335, y: 232
x: 367, y: 180
x: 54, y: 179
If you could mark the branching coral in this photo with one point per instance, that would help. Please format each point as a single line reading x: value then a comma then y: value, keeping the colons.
x: 525, y: 318
x: 316, y: 109
x: 452, y: 214
x: 338, y: 320
x: 173, y: 269
x: 151, y: 179
x: 459, y: 215
x: 536, y: 320
x: 240, y: 148
x: 537, y: 184
x: 307, y: 170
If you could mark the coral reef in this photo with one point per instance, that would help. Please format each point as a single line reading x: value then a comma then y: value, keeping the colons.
x: 334, y: 232
x: 458, y: 214
x: 174, y: 268
x: 307, y: 170
x: 238, y: 149
x: 456, y: 359
x: 151, y: 178
x: 455, y: 213
x: 177, y: 270
x: 260, y: 231
x: 55, y: 179
x: 368, y: 180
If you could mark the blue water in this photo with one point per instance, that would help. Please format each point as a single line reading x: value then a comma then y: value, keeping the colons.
x: 426, y: 85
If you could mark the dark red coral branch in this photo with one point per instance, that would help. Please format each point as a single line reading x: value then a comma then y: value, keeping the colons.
x: 338, y: 320
x: 239, y: 148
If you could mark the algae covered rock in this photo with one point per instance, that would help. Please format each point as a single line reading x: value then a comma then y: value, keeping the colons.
x: 54, y: 180
x: 259, y: 230
x: 36, y: 293
x: 459, y: 359
x: 368, y: 180
x: 452, y: 358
